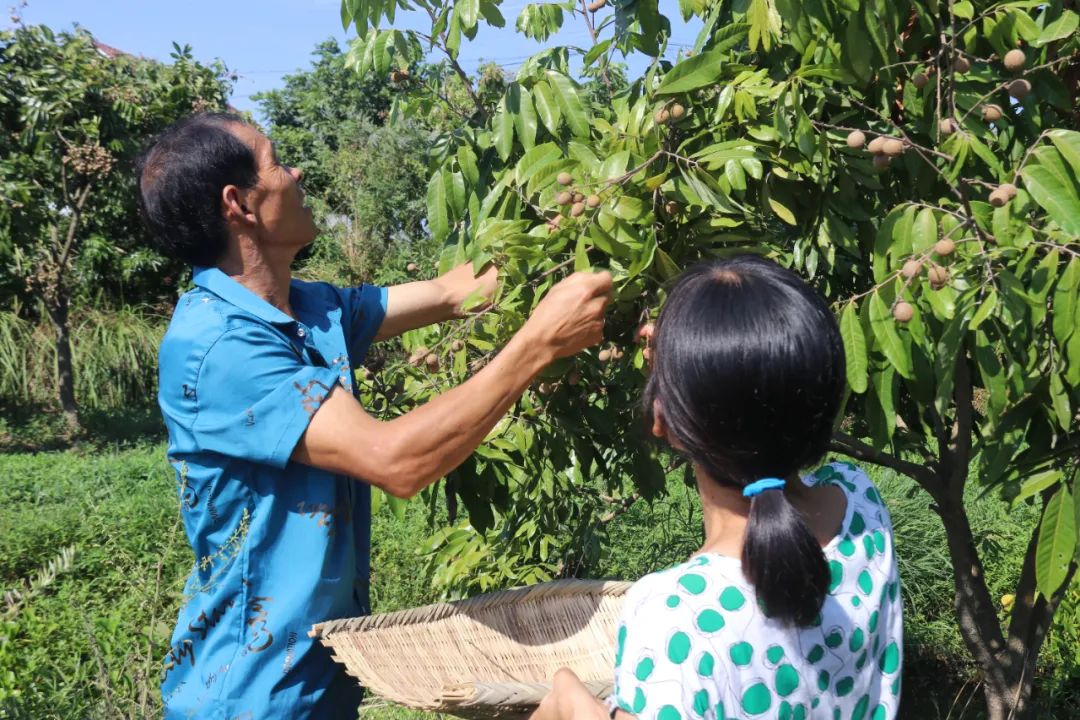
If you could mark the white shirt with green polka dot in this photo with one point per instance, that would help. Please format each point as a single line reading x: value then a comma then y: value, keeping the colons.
x: 693, y: 643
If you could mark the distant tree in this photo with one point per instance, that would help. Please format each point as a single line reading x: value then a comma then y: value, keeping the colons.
x: 73, y: 115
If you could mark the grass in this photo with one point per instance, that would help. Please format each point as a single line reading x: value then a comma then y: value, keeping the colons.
x: 86, y: 637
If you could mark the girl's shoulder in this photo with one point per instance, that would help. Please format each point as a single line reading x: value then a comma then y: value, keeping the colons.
x: 699, y: 576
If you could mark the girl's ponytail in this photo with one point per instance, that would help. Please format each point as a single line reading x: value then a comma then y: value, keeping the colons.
x: 783, y: 560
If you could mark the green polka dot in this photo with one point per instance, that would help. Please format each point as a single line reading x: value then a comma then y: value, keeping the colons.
x: 785, y: 711
x: 816, y: 621
x: 800, y: 713
x: 644, y: 669
x: 890, y: 659
x: 823, y: 679
x: 836, y: 714
x: 757, y: 699
x: 836, y: 572
x: 678, y: 648
x: 868, y: 546
x: 874, y: 621
x: 701, y: 702
x: 673, y: 601
x: 896, y: 687
x: 879, y: 541
x: 621, y: 646
x: 823, y: 473
x: 639, y: 700
x: 787, y: 680
x: 742, y: 653
x: 894, y: 588
x: 872, y: 496
x: 706, y: 664
x: 860, y: 708
x: 858, y: 525
x: 694, y: 583
x: 816, y: 653
x: 623, y: 705
x: 866, y: 583
x: 855, y: 601
x: 880, y: 713
x: 877, y: 644
x: 844, y: 686
x: 731, y: 599
x: 856, y: 641
x: 774, y: 654
x: 861, y: 662
x: 668, y: 712
x: 710, y: 621
x: 846, y: 547
x: 720, y: 711
x: 834, y: 639
x: 815, y: 703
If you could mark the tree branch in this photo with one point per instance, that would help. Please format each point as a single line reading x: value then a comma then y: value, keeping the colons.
x: 73, y: 225
x: 844, y: 443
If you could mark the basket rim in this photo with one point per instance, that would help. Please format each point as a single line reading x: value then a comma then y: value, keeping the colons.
x: 438, y: 611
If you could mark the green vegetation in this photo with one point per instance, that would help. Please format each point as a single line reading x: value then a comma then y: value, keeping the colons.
x: 88, y: 642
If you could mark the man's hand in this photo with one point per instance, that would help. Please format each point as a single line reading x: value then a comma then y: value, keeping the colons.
x: 570, y: 318
x: 463, y: 281
x: 569, y: 699
x: 424, y: 302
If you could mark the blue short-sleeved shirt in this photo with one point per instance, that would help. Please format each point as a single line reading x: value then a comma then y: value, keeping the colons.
x: 278, y: 545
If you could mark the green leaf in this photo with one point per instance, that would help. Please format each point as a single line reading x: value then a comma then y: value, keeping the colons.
x: 467, y: 163
x: 764, y: 23
x: 438, y: 223
x: 964, y: 9
x: 985, y: 309
x: 924, y: 231
x: 1059, y: 397
x: 546, y: 107
x: 520, y: 105
x: 469, y: 12
x: 854, y: 348
x: 1036, y: 484
x: 1053, y: 186
x: 883, y: 327
x: 1067, y: 143
x: 581, y: 255
x: 782, y: 211
x: 1057, y: 541
x: 502, y: 126
x: 693, y: 72
x: 569, y: 100
x: 1067, y: 302
x: 1063, y: 27
x: 536, y: 160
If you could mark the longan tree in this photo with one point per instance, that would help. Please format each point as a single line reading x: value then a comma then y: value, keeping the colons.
x: 916, y: 160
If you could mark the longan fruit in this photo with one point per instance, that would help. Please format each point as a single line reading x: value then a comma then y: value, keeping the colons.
x: 593, y: 201
x: 671, y: 207
x: 1019, y: 89
x: 577, y: 209
x: 1015, y: 60
x: 911, y: 268
x: 596, y: 5
x: 961, y: 64
x: 678, y: 112
x: 893, y: 147
x: 1008, y: 189
x: 604, y: 355
x: 432, y: 362
x: 553, y: 223
x: 991, y: 113
x: 938, y: 276
x: 544, y: 388
x: 998, y: 198
x: 947, y: 126
x: 564, y: 198
x: 856, y: 139
x: 881, y: 162
x: 944, y: 247
x: 903, y: 311
x: 564, y: 178
x: 876, y: 144
x: 412, y: 267
x: 662, y: 116
x: 920, y: 80
x: 457, y: 346
x: 578, y: 197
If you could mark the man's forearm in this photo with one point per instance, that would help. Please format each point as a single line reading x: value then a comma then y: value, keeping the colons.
x: 435, y: 438
x: 415, y: 305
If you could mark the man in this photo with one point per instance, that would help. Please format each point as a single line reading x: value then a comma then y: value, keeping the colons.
x: 266, y: 434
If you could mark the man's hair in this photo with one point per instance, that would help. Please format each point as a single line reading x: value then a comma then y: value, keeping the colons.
x: 181, y: 175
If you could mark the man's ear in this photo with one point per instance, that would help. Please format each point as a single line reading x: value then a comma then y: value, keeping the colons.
x: 234, y: 205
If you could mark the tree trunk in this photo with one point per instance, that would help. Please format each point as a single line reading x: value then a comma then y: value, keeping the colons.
x: 65, y: 370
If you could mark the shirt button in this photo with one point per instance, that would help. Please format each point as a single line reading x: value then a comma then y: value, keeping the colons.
x: 300, y: 332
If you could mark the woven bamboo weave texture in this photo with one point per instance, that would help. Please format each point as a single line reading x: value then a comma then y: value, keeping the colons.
x: 495, y: 650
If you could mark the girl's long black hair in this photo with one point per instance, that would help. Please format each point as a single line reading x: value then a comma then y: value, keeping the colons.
x: 748, y: 374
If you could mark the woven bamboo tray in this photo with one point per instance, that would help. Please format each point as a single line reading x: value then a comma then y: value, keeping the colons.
x: 489, y: 656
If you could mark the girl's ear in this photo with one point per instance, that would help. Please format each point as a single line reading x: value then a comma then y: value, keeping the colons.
x: 659, y: 428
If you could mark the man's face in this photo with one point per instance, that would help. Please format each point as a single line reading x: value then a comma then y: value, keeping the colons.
x: 277, y: 199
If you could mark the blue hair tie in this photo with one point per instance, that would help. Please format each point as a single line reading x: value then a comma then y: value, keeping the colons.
x: 759, y: 486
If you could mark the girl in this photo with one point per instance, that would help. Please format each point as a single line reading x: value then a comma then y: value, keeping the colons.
x: 792, y: 608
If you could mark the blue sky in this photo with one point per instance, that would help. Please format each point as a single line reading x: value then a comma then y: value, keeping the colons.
x: 263, y: 41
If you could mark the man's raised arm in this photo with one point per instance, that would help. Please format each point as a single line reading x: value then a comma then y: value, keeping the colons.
x: 405, y: 455
x: 416, y: 304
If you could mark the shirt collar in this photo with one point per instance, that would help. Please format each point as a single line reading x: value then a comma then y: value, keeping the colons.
x: 232, y: 292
